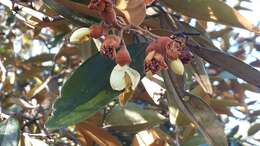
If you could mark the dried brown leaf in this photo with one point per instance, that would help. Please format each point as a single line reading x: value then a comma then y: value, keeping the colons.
x: 133, y: 10
x: 147, y: 138
x: 212, y: 10
x: 99, y: 135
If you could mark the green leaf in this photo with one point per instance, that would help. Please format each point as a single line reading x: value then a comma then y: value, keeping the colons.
x: 212, y: 10
x: 229, y: 63
x: 207, y: 120
x: 203, y: 39
x: 224, y: 102
x: 84, y: 93
x: 9, y: 132
x: 72, y: 14
x: 198, y: 69
x: 199, y: 112
x: 133, y: 118
x: 253, y: 129
x: 194, y: 141
x: 215, y: 56
x: 87, y: 91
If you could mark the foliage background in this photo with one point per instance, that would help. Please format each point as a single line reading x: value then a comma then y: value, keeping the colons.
x: 36, y: 61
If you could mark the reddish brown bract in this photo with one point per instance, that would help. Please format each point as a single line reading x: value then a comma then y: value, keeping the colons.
x: 165, y: 48
x: 177, y: 45
x: 98, y: 5
x: 109, y: 46
x: 186, y: 56
x: 160, y: 45
x: 96, y: 31
x: 154, y: 62
x: 109, y: 16
x: 105, y: 8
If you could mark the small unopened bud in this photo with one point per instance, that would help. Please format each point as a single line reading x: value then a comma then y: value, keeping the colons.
x: 81, y: 35
x: 123, y: 57
x: 177, y: 66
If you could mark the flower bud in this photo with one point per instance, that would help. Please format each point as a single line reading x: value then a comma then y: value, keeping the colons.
x: 123, y: 57
x: 96, y: 31
x: 81, y: 35
x: 177, y: 66
x: 118, y: 80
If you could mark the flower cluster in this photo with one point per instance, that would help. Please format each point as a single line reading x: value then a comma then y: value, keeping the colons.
x: 166, y: 49
x: 111, y: 42
x: 112, y: 46
x: 105, y: 9
x: 122, y: 59
x: 163, y: 52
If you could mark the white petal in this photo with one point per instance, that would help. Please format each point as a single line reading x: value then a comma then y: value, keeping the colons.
x: 134, y: 76
x: 117, y: 78
x: 81, y: 34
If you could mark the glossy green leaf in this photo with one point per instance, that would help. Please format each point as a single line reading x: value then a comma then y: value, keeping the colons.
x: 211, y: 10
x: 133, y: 118
x: 207, y: 120
x: 199, y: 112
x: 229, y: 63
x: 87, y: 91
x: 215, y: 56
x: 9, y: 132
x: 72, y: 15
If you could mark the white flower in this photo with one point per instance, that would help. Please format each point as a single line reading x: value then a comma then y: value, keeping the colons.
x: 118, y: 77
x: 80, y: 35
